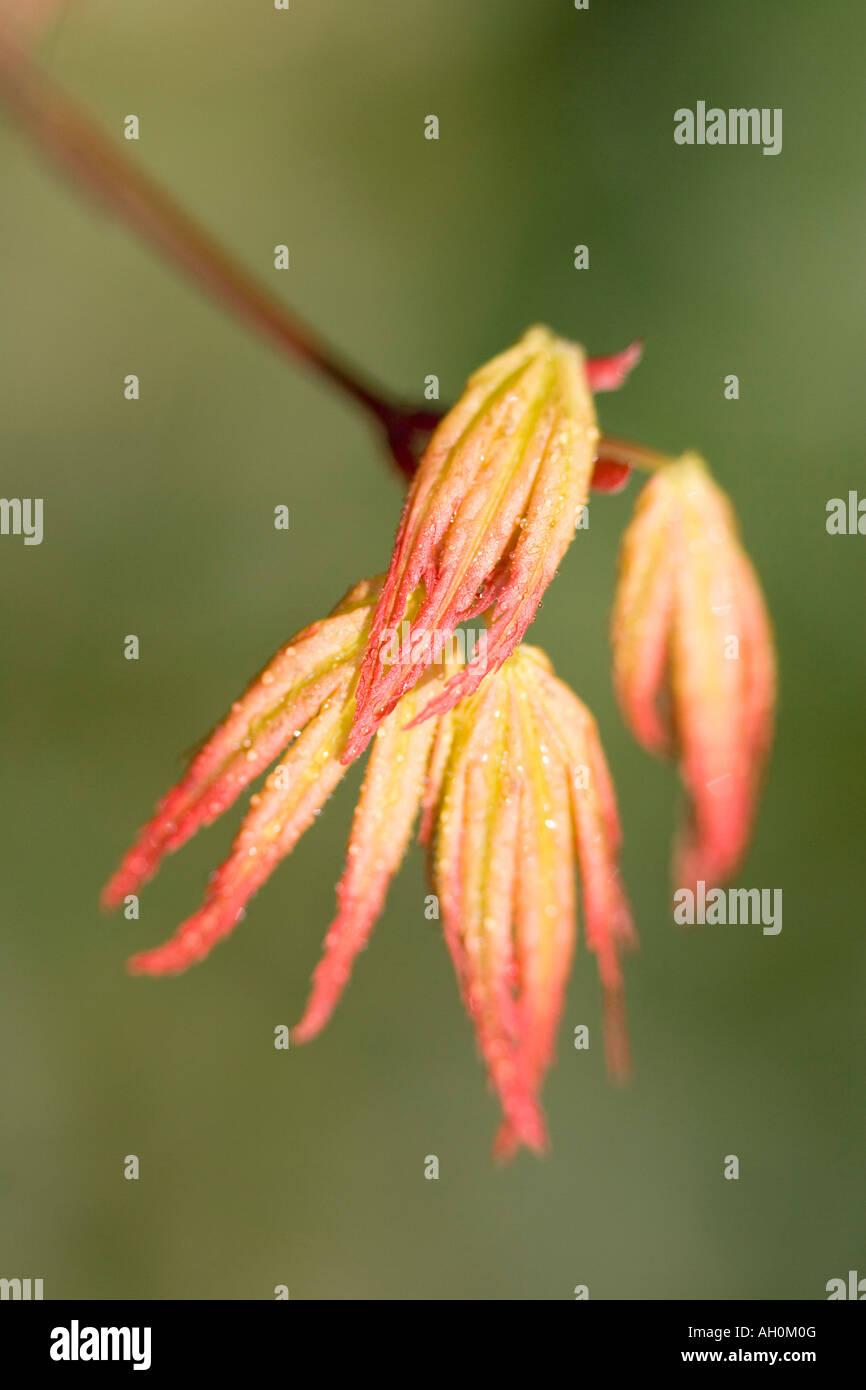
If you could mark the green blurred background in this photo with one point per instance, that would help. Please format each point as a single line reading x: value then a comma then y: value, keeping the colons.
x: 306, y: 1168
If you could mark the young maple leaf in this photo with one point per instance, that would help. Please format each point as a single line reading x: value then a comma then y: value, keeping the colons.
x: 490, y: 512
x: 514, y: 792
x: 524, y: 797
x: 694, y: 663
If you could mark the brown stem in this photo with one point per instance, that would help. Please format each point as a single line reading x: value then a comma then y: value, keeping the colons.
x: 77, y: 146
x: 635, y: 455
x: 64, y: 132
